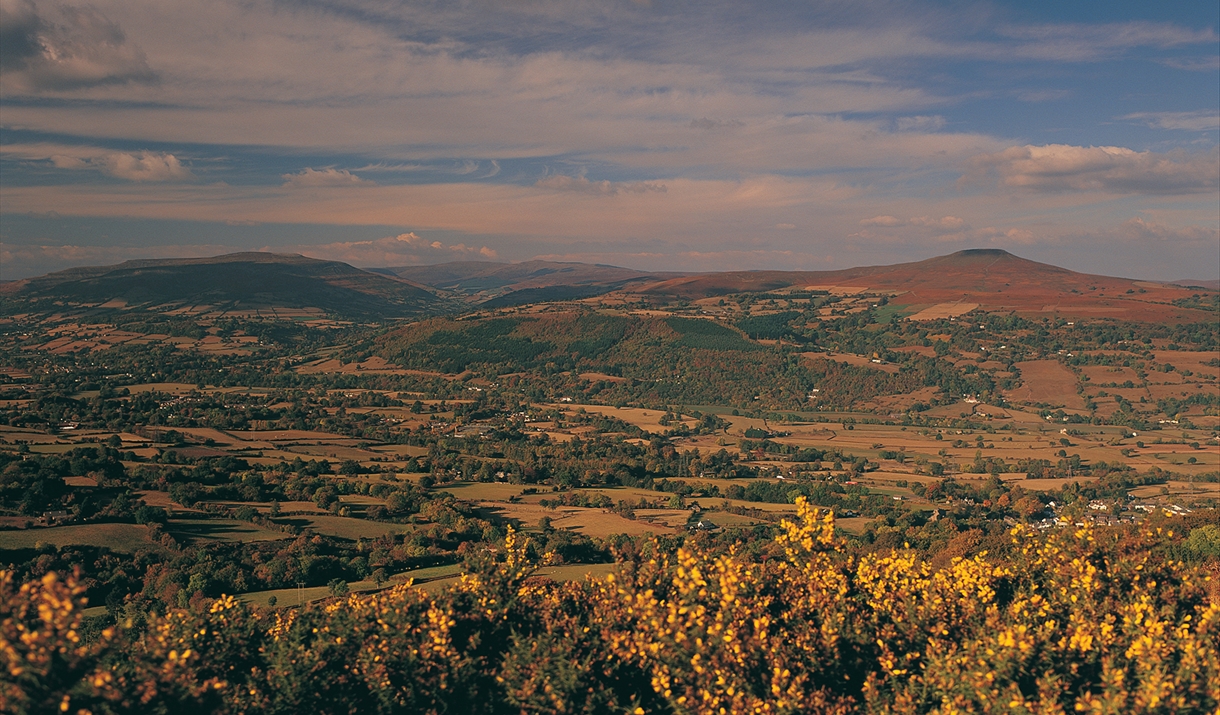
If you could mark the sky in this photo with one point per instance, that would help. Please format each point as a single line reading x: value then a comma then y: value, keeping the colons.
x: 691, y: 136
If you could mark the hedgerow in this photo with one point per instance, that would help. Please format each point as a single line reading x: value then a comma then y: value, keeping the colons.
x: 1078, y: 620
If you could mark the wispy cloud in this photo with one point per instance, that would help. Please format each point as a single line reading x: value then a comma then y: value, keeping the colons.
x: 709, y: 124
x: 1139, y: 229
x: 1076, y: 42
x: 949, y: 223
x: 580, y: 184
x: 1206, y: 120
x: 919, y: 123
x: 1043, y: 95
x: 1193, y: 64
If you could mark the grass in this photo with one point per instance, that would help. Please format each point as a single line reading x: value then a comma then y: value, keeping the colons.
x: 485, y: 491
x: 292, y: 596
x: 125, y: 538
x: 646, y: 419
x: 221, y: 530
x: 345, y: 527
x: 574, y: 572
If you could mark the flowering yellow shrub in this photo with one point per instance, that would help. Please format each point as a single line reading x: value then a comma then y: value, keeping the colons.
x: 1077, y: 621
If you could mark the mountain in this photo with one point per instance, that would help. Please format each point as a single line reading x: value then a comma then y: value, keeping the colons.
x: 238, y: 281
x: 535, y: 280
x: 1190, y: 283
x: 994, y: 279
x: 991, y: 279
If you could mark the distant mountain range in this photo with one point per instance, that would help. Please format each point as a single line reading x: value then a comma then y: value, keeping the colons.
x: 992, y: 279
x: 504, y: 284
x: 237, y: 281
x: 1189, y: 283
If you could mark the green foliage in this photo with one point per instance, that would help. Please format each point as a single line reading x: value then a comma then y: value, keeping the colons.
x: 768, y: 327
x: 1080, y: 620
x: 708, y: 335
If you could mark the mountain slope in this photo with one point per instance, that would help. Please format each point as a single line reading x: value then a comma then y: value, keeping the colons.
x: 494, y: 279
x: 239, y: 280
x: 994, y: 279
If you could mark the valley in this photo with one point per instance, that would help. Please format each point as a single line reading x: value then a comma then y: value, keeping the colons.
x: 296, y: 433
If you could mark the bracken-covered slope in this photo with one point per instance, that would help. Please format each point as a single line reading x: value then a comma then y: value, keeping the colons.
x: 239, y: 280
x: 994, y: 279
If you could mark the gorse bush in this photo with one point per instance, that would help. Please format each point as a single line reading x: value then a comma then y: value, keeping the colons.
x: 1079, y: 620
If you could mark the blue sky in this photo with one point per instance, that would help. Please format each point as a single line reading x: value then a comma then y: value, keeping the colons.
x: 656, y: 135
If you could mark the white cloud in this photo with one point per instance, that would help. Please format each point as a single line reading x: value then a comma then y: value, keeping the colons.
x: 137, y: 166
x: 580, y: 184
x: 1206, y: 120
x: 1108, y: 169
x: 323, y: 178
x: 403, y: 249
x: 145, y: 166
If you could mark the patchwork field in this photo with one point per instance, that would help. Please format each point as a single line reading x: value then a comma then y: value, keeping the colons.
x: 647, y: 420
x: 598, y: 523
x: 126, y: 538
x: 941, y: 311
x: 1048, y: 382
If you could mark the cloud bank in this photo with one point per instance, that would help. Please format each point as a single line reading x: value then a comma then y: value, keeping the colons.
x: 55, y: 46
x: 1109, y: 169
x: 138, y: 166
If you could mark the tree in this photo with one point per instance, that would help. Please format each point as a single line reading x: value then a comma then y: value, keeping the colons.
x: 325, y: 496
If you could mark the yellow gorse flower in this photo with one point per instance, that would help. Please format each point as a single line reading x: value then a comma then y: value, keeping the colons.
x: 1077, y: 621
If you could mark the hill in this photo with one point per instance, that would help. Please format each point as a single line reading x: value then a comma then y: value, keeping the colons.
x: 238, y: 281
x: 993, y: 279
x: 654, y: 359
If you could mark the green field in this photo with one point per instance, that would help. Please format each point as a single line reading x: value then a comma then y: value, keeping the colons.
x: 345, y: 527
x: 221, y: 530
x: 291, y: 596
x: 127, y: 538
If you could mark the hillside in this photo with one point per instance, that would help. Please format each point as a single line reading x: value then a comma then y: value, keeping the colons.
x: 482, y: 280
x: 239, y: 281
x: 994, y: 279
x: 656, y: 359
